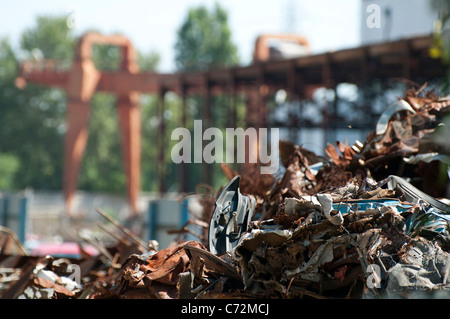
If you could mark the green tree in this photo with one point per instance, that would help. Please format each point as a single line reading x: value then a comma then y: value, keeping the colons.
x: 441, y: 47
x: 148, y: 61
x: 32, y: 120
x: 51, y: 36
x: 9, y: 164
x: 204, y: 40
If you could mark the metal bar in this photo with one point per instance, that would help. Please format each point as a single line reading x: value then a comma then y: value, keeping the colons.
x: 101, y: 249
x: 207, y: 123
x: 77, y: 116
x: 152, y: 219
x: 4, y: 204
x: 23, y: 205
x: 115, y: 236
x: 161, y: 143
x: 326, y: 81
x: 136, y: 239
x: 183, y: 182
x: 130, y: 128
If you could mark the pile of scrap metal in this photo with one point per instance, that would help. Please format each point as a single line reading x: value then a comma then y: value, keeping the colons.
x: 25, y: 276
x: 347, y: 226
x: 350, y: 243
x: 369, y: 221
x: 328, y: 245
x: 343, y: 227
x: 409, y: 141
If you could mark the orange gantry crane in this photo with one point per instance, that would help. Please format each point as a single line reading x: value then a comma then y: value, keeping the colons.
x: 80, y: 83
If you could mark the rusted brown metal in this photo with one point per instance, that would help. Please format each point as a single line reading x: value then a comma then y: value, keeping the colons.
x: 123, y: 229
x: 212, y: 262
x: 10, y: 244
x: 155, y: 276
x: 261, y: 50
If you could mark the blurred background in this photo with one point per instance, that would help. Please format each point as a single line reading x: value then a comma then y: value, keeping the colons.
x: 192, y: 37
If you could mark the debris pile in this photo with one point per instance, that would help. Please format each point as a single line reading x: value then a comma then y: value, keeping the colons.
x: 369, y: 221
x: 90, y: 277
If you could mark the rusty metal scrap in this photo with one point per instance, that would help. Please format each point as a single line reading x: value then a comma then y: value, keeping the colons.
x: 10, y: 244
x: 309, y: 255
x: 158, y: 271
x: 402, y: 132
x: 368, y: 220
x: 44, y: 278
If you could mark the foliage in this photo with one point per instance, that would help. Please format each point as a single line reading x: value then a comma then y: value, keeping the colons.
x: 204, y: 40
x: 148, y: 61
x: 51, y: 36
x: 9, y: 164
x: 32, y: 120
x: 441, y: 47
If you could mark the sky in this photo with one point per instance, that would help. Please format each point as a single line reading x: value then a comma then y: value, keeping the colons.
x: 152, y: 25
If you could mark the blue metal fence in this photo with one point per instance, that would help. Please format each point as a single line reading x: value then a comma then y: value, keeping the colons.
x: 13, y: 213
